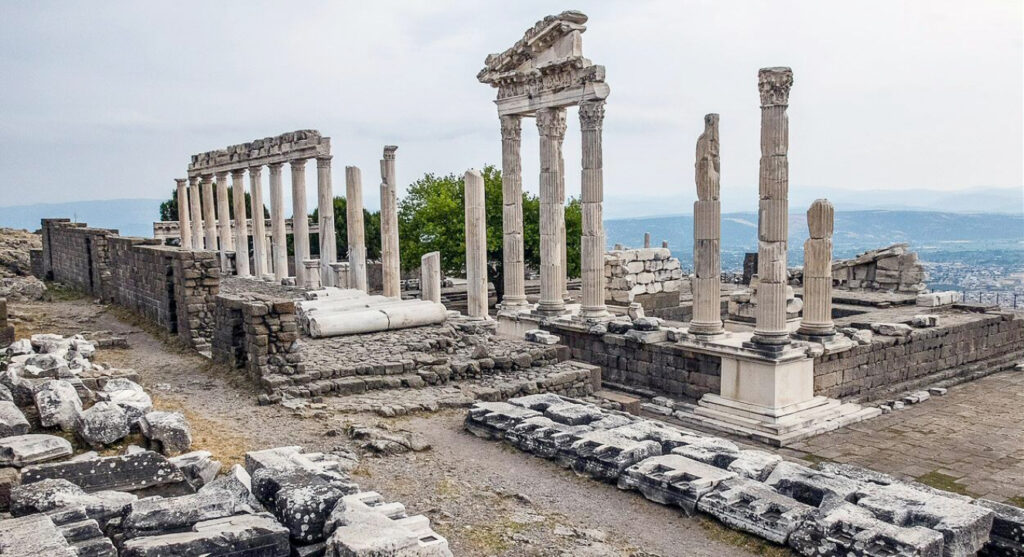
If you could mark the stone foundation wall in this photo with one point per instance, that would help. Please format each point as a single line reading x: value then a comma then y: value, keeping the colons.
x: 888, y: 365
x: 140, y: 279
x: 76, y: 255
x: 258, y: 334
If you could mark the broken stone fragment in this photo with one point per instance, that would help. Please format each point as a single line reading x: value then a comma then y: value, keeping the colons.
x: 1006, y: 539
x: 922, y: 321
x: 102, y: 424
x: 892, y: 329
x: 240, y: 535
x: 20, y: 347
x: 5, y: 393
x: 32, y: 536
x: 364, y: 525
x: 169, y: 431
x: 818, y: 489
x: 12, y: 421
x: 48, y: 495
x: 9, y: 477
x: 197, y: 466
x: 22, y: 450
x: 755, y: 508
x: 58, y: 404
x: 146, y: 472
x: 850, y: 530
x: 673, y: 480
x: 130, y: 396
x: 386, y: 442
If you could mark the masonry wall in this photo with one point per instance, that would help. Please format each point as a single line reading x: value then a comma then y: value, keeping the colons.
x: 77, y: 255
x: 257, y: 333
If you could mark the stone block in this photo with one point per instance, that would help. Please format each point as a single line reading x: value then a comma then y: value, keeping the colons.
x: 673, y: 480
x: 22, y: 450
x: 49, y: 495
x: 1006, y: 539
x: 145, y: 472
x: 850, y: 530
x: 168, y: 432
x: 363, y: 525
x: 256, y: 535
x: 491, y: 420
x: 102, y: 424
x: 818, y: 489
x: 12, y: 421
x: 197, y: 466
x: 891, y: 329
x: 753, y: 507
x: 33, y: 536
x: 605, y: 454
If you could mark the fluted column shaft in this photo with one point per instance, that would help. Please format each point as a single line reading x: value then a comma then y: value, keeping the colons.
x: 259, y: 232
x: 513, y: 258
x: 184, y: 222
x: 592, y: 244
x: 707, y: 219
x: 209, y: 218
x: 223, y: 220
x: 551, y: 125
x: 300, y: 221
x: 476, y: 244
x: 772, y: 223
x: 277, y: 230
x: 817, y: 320
x: 390, y: 262
x: 241, y: 239
x: 325, y: 210
x: 195, y: 194
x: 355, y: 228
x: 430, y: 277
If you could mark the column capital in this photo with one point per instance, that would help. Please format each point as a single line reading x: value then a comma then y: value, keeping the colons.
x: 774, y: 85
x: 275, y: 167
x: 222, y: 173
x: 551, y: 122
x: 298, y: 164
x: 324, y: 161
x: 389, y: 152
x: 591, y: 114
x: 511, y: 127
x: 255, y: 170
x: 206, y: 178
x: 181, y: 182
x: 193, y: 180
x: 238, y: 173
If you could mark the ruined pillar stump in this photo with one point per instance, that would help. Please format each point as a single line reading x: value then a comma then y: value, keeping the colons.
x: 707, y: 218
x: 430, y: 277
x: 476, y: 245
x: 817, y: 321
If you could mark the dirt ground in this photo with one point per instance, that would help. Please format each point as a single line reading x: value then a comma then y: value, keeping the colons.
x: 485, y: 497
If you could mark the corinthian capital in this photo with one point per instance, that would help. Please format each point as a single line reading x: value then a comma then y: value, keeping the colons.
x: 511, y: 127
x: 774, y: 84
x: 591, y: 115
x: 389, y: 152
x: 551, y: 122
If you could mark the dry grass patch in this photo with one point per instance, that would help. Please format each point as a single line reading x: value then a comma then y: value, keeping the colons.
x: 226, y: 445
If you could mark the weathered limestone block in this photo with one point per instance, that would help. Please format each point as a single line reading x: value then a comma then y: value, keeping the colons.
x: 753, y: 507
x: 12, y: 421
x: 22, y: 450
x: 197, y: 466
x: 83, y: 533
x: 673, y: 480
x: 130, y: 396
x: 892, y: 329
x: 363, y: 525
x: 49, y: 495
x: 546, y: 438
x: 245, y: 535
x: 811, y: 487
x: 924, y: 321
x: 604, y: 455
x: 145, y: 470
x: 9, y: 478
x: 32, y: 536
x: 851, y: 530
x: 169, y: 431
x: 59, y: 404
x: 103, y: 424
x: 1006, y: 538
x: 490, y: 420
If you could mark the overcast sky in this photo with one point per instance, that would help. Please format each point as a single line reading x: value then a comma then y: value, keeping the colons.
x: 104, y: 100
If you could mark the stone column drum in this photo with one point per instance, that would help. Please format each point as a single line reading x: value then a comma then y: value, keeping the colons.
x: 817, y: 321
x: 277, y: 231
x: 259, y: 232
x: 300, y: 222
x: 551, y: 125
x: 325, y: 211
x: 311, y: 274
x: 224, y: 220
x: 209, y: 219
x: 184, y: 222
x: 513, y: 258
x: 707, y: 218
x: 195, y: 202
x: 770, y: 318
x: 390, y: 264
x: 355, y: 227
x: 592, y: 244
x: 430, y: 277
x: 476, y: 245
x: 241, y: 239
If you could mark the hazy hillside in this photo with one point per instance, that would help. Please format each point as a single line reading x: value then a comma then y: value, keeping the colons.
x: 131, y: 217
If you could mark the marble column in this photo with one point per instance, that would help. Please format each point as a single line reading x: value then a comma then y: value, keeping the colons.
x: 325, y: 211
x: 224, y: 220
x: 390, y: 263
x: 707, y: 227
x: 241, y: 238
x: 195, y: 202
x: 430, y: 277
x: 592, y: 244
x: 817, y: 321
x: 356, y: 229
x: 513, y: 259
x: 551, y: 125
x: 772, y: 223
x: 259, y: 232
x: 277, y: 226
x: 564, y: 277
x: 184, y: 222
x: 300, y: 219
x: 209, y: 218
x: 476, y: 244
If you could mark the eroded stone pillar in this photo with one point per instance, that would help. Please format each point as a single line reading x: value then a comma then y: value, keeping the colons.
x: 355, y: 227
x: 592, y: 244
x: 223, y: 220
x: 513, y: 258
x: 209, y: 218
x: 390, y: 263
x: 184, y: 221
x: 300, y: 221
x: 476, y: 244
x: 817, y: 321
x: 277, y: 226
x: 195, y: 202
x: 325, y: 211
x: 241, y: 238
x: 551, y: 125
x: 259, y: 232
x: 772, y: 223
x: 707, y: 218
x: 430, y: 277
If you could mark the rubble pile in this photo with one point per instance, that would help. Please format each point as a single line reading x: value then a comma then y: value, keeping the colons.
x: 650, y: 276
x: 828, y: 510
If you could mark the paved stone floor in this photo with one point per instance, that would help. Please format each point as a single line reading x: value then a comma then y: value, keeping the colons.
x: 970, y: 440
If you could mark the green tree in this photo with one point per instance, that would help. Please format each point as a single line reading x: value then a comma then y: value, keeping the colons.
x: 371, y: 231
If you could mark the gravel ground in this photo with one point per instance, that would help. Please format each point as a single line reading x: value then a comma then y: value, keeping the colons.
x: 485, y: 497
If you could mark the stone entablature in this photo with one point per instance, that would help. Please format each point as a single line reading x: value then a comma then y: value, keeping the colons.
x: 296, y: 145
x: 171, y: 229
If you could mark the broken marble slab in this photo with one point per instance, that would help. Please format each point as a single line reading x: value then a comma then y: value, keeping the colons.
x: 145, y: 473
x: 102, y: 424
x: 168, y: 432
x: 49, y: 495
x: 12, y: 421
x: 605, y: 454
x: 818, y: 489
x: 244, y: 535
x: 130, y: 396
x: 83, y: 533
x: 32, y: 536
x: 546, y: 438
x: 22, y: 450
x: 491, y: 420
x: 199, y: 467
x: 847, y: 529
x: 673, y: 480
x: 749, y: 463
x: 752, y: 507
x: 1006, y: 539
x: 363, y: 525
x: 58, y: 403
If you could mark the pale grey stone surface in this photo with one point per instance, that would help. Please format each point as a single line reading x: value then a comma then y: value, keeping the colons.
x: 102, y: 424
x: 12, y: 421
x: 169, y: 429
x: 32, y: 536
x: 58, y: 404
x: 22, y: 450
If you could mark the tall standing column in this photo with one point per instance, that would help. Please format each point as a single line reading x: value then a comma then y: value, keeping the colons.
x: 259, y: 232
x: 551, y: 125
x: 356, y: 230
x: 430, y: 277
x: 241, y: 238
x: 707, y: 218
x: 817, y: 321
x: 390, y: 263
x: 209, y: 220
x: 514, y: 260
x: 277, y: 231
x: 592, y: 244
x: 772, y: 222
x: 195, y: 202
x: 476, y: 244
x: 325, y: 211
x: 184, y: 222
x: 224, y: 220
x: 300, y: 222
